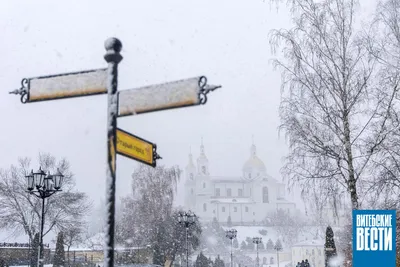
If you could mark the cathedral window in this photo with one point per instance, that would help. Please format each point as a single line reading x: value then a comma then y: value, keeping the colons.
x: 191, y: 176
x: 191, y: 191
x: 217, y: 192
x: 223, y: 209
x: 228, y: 192
x: 204, y: 185
x: 203, y: 169
x: 265, y: 194
x: 264, y: 260
x: 204, y: 207
x: 249, y: 175
x: 240, y: 192
x: 234, y: 209
x: 246, y: 209
x: 271, y: 260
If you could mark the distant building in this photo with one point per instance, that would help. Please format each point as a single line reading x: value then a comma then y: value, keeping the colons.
x: 313, y: 250
x: 247, y: 198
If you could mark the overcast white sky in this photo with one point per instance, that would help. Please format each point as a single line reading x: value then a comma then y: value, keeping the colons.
x: 162, y: 41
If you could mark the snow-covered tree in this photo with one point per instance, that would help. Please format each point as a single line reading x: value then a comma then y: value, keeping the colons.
x: 21, y: 211
x: 243, y: 245
x: 270, y: 245
x: 218, y: 262
x: 34, y: 250
x: 59, y: 255
x: 278, y: 245
x: 72, y: 236
x: 330, y: 247
x: 263, y: 232
x: 334, y: 109
x: 286, y: 225
x: 202, y: 261
x: 148, y: 216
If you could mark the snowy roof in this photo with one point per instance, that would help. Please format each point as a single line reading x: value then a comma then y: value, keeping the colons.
x: 232, y: 200
x: 284, y: 201
x: 227, y: 179
x: 310, y: 243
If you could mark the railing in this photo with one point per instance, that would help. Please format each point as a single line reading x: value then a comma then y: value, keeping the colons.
x: 19, y: 245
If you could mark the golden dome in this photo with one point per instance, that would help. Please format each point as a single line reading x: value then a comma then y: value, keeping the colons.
x: 254, y: 163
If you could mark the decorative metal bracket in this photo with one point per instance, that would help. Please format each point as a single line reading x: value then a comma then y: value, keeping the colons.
x: 23, y: 91
x: 155, y: 154
x: 205, y: 89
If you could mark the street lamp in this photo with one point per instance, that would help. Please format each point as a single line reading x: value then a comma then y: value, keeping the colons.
x: 231, y: 234
x: 257, y: 240
x: 278, y: 247
x: 43, y: 186
x: 187, y: 219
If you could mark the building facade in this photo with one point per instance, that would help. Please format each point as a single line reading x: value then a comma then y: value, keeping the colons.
x: 313, y: 250
x: 246, y: 199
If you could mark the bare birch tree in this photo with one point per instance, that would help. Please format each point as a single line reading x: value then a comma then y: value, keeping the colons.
x: 333, y: 112
x: 384, y: 44
x: 21, y: 211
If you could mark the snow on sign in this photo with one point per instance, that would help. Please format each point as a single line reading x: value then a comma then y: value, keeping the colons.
x: 91, y: 82
x: 136, y: 148
x: 158, y: 97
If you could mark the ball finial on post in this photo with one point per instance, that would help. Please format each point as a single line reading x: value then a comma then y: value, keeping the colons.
x: 113, y: 47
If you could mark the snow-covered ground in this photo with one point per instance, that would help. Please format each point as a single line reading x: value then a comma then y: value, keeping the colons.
x: 281, y: 264
x: 253, y: 231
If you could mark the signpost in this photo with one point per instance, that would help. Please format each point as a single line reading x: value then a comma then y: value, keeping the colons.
x: 91, y: 82
x: 136, y: 148
x: 176, y: 94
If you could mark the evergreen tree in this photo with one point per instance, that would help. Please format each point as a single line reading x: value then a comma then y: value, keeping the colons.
x: 219, y: 262
x: 215, y: 225
x: 243, y: 245
x: 210, y: 262
x: 235, y: 243
x: 34, y: 250
x: 229, y: 223
x: 270, y: 244
x: 59, y: 255
x: 278, y: 245
x: 330, y: 248
x: 261, y: 246
x: 201, y: 261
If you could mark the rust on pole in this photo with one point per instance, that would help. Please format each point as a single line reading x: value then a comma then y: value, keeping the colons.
x: 113, y: 47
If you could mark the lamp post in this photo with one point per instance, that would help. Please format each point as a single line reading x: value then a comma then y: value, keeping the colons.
x: 278, y: 247
x: 231, y: 234
x: 257, y: 240
x: 187, y: 219
x: 43, y: 185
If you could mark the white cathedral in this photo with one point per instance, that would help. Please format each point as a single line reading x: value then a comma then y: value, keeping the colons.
x: 247, y: 198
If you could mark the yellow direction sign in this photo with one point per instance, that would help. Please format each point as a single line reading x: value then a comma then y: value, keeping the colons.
x: 136, y: 148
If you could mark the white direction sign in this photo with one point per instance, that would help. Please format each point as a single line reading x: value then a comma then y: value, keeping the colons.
x: 170, y: 95
x: 91, y: 82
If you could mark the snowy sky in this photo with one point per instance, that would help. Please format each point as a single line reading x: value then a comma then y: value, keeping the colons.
x: 162, y: 41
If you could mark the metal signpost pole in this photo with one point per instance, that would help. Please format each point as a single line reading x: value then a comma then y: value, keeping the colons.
x: 113, y: 57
